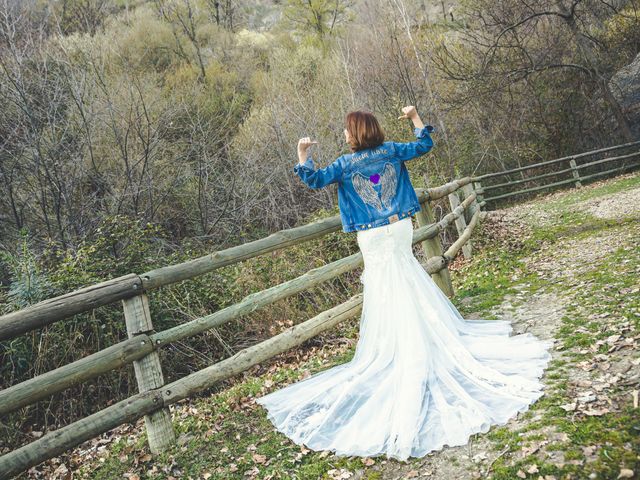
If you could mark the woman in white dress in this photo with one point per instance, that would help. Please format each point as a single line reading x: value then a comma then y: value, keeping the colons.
x: 422, y: 376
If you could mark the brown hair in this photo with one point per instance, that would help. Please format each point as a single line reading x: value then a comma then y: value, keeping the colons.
x: 364, y: 130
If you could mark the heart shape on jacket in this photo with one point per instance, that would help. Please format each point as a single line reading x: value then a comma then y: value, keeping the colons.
x: 375, y: 178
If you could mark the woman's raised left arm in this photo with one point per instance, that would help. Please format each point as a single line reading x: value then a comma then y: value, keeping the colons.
x: 306, y: 171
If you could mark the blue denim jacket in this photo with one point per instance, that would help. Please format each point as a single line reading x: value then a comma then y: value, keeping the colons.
x: 373, y: 184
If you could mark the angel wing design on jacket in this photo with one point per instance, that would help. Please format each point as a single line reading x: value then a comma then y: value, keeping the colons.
x: 389, y: 184
x: 388, y: 181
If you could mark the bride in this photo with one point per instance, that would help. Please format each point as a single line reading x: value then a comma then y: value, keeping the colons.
x: 422, y: 376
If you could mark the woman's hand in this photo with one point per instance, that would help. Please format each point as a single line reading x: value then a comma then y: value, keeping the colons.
x: 409, y: 113
x: 303, y: 144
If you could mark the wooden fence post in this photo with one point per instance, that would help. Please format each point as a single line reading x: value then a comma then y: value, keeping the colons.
x: 467, y: 190
x: 461, y: 224
x: 479, y: 197
x: 149, y: 373
x: 575, y: 173
x: 433, y: 248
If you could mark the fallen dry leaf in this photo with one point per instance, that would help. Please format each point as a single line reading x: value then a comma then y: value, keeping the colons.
x: 532, y: 469
x: 479, y: 457
x: 569, y: 407
x: 612, y: 339
x: 251, y: 472
x: 339, y: 474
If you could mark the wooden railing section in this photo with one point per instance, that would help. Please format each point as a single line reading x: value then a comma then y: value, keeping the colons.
x: 141, y: 347
x: 628, y: 159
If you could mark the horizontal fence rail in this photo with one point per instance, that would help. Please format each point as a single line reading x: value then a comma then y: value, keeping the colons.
x: 64, y: 306
x: 574, y: 170
x: 141, y: 348
x: 556, y: 160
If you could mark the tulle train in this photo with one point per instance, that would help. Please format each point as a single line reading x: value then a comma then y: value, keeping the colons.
x: 421, y: 377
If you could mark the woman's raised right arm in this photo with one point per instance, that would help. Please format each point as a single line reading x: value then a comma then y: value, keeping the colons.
x: 411, y: 113
x: 424, y: 142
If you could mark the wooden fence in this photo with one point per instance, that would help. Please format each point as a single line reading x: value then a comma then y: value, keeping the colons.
x: 141, y: 347
x: 626, y: 157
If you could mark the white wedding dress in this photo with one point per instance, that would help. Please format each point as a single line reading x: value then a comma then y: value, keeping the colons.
x: 421, y: 377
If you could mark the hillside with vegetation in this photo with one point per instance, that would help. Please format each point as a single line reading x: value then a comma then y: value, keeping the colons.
x: 138, y: 134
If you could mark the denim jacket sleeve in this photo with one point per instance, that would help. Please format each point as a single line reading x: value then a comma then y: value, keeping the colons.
x: 321, y: 177
x: 410, y: 150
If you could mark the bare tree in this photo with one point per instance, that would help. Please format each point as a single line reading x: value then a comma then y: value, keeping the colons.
x: 223, y: 13
x: 85, y: 16
x: 511, y: 40
x: 183, y: 18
